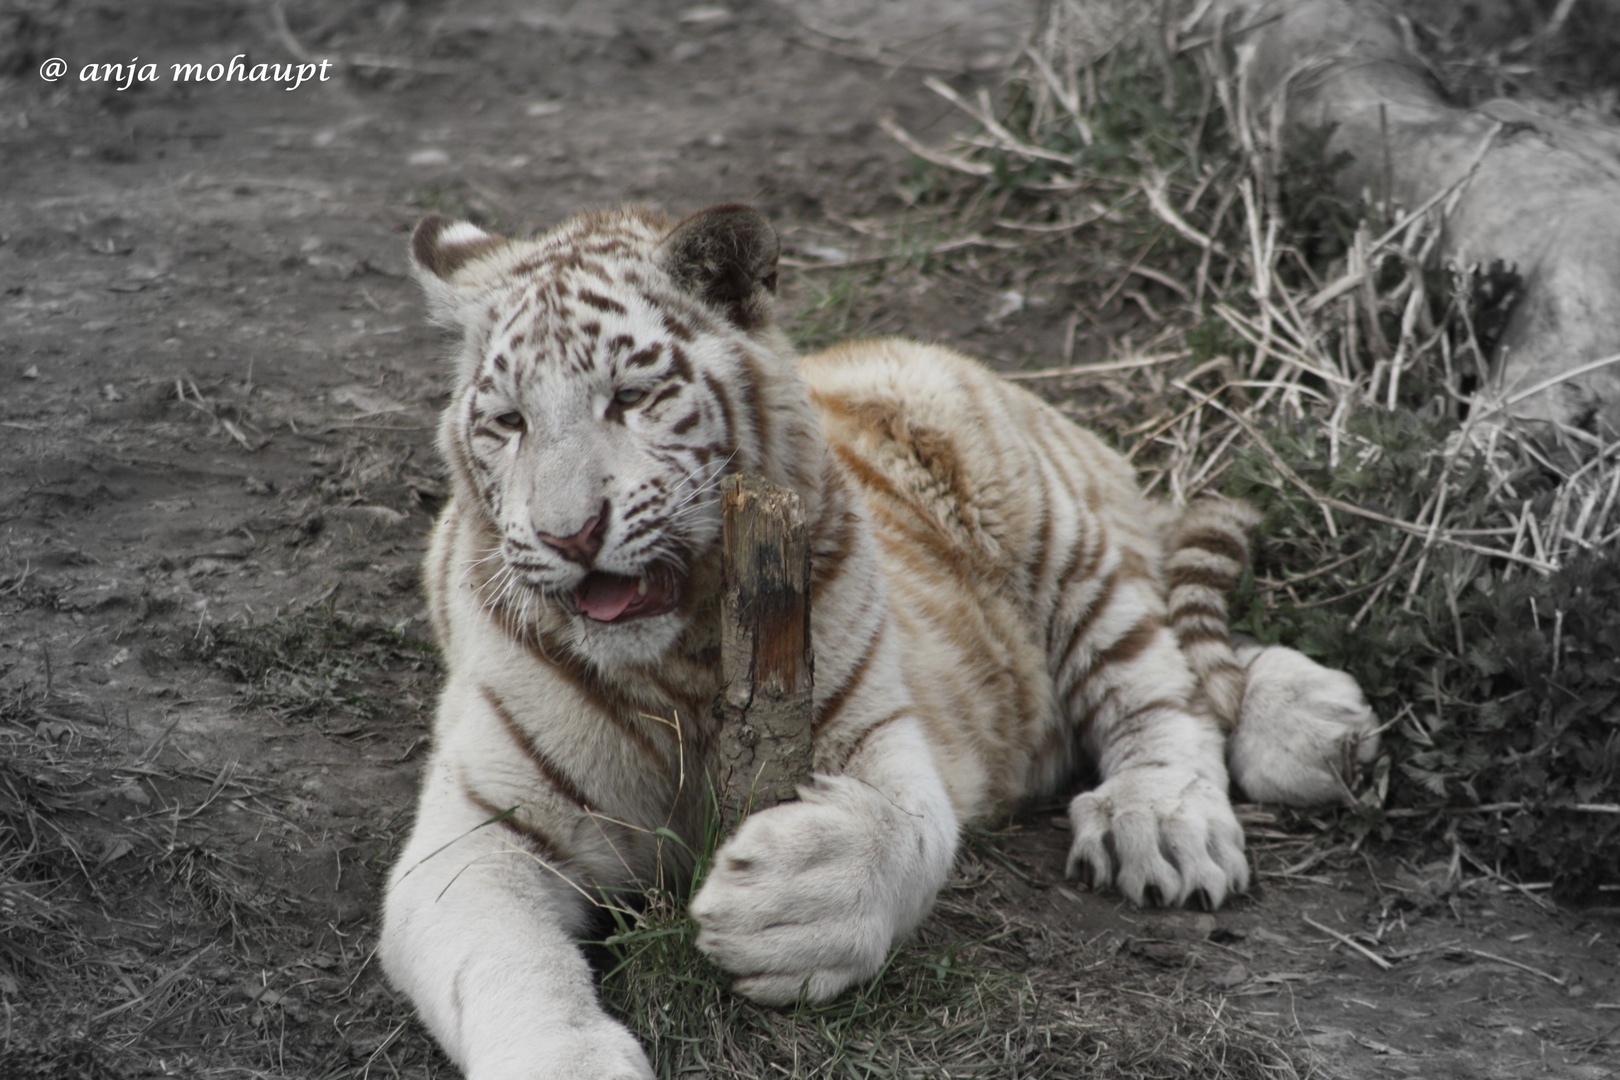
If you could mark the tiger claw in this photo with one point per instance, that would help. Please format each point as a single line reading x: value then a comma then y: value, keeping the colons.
x: 1172, y: 836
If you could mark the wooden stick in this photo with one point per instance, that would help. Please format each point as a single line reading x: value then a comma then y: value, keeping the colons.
x: 1345, y: 939
x: 766, y: 659
x: 1554, y: 979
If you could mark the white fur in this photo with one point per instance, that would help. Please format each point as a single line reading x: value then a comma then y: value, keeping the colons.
x: 1302, y: 731
x: 810, y: 897
x: 519, y: 1010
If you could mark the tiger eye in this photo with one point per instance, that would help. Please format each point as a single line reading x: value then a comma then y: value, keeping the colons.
x: 512, y: 421
x: 629, y: 396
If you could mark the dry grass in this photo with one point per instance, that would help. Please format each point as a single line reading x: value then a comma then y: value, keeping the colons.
x: 1268, y: 338
x: 1308, y: 338
x: 137, y: 938
x: 982, y: 991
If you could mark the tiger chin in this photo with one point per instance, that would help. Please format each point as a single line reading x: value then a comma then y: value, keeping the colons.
x: 993, y: 603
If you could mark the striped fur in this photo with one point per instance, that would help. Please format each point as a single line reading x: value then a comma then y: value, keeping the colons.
x: 993, y: 604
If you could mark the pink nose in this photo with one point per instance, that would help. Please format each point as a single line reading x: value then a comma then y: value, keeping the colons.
x: 583, y: 546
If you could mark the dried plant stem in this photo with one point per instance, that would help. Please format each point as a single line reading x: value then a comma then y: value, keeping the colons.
x: 1349, y: 942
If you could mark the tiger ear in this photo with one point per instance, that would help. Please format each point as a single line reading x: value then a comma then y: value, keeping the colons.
x: 440, y: 248
x: 727, y: 256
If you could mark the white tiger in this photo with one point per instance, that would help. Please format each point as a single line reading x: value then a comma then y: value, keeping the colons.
x: 992, y: 603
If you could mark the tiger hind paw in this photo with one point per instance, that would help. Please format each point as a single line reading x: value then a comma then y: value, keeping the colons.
x: 1303, y: 732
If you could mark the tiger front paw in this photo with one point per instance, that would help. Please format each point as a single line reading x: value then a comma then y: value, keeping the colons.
x: 1163, y: 834
x: 809, y: 896
x: 1303, y: 730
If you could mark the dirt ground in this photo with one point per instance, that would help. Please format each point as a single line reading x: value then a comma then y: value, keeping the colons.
x: 217, y: 399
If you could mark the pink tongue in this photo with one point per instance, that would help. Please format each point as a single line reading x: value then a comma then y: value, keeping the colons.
x: 604, y: 597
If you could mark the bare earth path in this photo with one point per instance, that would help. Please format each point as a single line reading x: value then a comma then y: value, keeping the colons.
x: 217, y: 395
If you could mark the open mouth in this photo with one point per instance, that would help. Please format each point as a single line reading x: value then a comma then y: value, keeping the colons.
x: 615, y: 598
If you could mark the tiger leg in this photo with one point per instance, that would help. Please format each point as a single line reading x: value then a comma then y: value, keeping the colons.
x: 1297, y: 731
x: 479, y: 930
x: 1303, y: 730
x: 1159, y: 825
x: 810, y: 896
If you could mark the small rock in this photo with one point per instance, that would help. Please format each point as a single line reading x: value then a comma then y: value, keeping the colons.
x: 827, y: 254
x: 1008, y: 303
x: 705, y: 15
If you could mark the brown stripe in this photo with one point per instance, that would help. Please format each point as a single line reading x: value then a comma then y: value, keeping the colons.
x: 674, y: 326
x: 1223, y: 666
x: 559, y: 659
x: 722, y: 399
x: 1083, y: 624
x: 1071, y: 559
x: 644, y: 357
x: 865, y: 473
x: 936, y: 452
x: 1132, y: 644
x: 932, y: 537
x: 1043, y: 535
x: 1190, y: 636
x: 752, y: 397
x: 549, y: 769
x: 827, y: 564
x: 1066, y: 575
x: 1216, y: 542
x: 860, y: 742
x: 1201, y: 575
x: 1196, y: 609
x: 681, y: 365
x: 1129, y: 723
x: 600, y: 302
x: 927, y: 554
x: 664, y: 395
x: 878, y: 419
x: 590, y: 687
x: 835, y: 703
x: 544, y: 845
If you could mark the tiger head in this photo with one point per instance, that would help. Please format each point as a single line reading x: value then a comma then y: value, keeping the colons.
x: 611, y: 373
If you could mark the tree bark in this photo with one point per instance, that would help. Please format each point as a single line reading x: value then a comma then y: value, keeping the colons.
x: 766, y: 656
x: 1543, y: 197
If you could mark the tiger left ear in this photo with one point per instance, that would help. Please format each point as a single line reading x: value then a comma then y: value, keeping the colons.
x: 440, y: 246
x: 726, y: 255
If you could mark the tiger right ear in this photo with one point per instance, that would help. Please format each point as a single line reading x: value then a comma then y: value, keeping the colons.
x: 726, y: 255
x: 440, y: 246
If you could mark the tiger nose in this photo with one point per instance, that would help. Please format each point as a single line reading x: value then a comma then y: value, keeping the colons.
x: 584, y: 545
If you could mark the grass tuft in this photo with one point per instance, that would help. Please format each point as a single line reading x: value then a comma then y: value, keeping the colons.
x: 315, y: 662
x: 975, y: 993
x: 961, y: 1000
